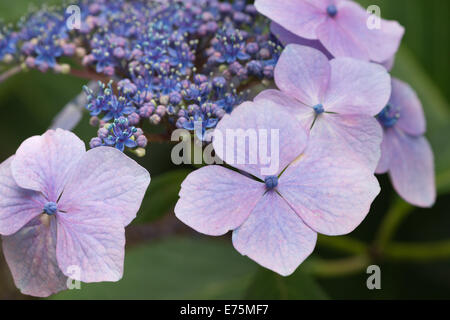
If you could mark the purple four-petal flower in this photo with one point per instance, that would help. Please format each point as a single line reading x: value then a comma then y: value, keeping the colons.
x: 64, y: 210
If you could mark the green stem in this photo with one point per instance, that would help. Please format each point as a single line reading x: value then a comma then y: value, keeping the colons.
x: 418, y: 251
x: 338, y: 267
x: 343, y: 243
x: 391, y: 222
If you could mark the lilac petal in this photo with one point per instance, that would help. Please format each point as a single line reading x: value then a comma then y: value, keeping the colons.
x: 274, y: 236
x: 17, y: 206
x: 329, y: 190
x: 286, y: 37
x: 357, y: 87
x: 304, y: 114
x: 381, y: 44
x: 338, y: 42
x: 300, y: 17
x: 412, y: 168
x: 92, y: 241
x: 268, y: 138
x: 303, y: 73
x: 31, y: 257
x: 106, y: 180
x: 214, y: 200
x: 44, y: 163
x: 386, y: 155
x: 412, y: 118
x: 359, y: 136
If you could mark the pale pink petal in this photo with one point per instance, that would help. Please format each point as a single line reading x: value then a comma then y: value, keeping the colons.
x: 412, y: 168
x: 286, y: 37
x: 339, y: 42
x: 214, y: 200
x: 380, y: 43
x: 303, y: 73
x: 44, y: 163
x: 106, y: 180
x: 386, y: 155
x: 304, y: 114
x: 359, y: 136
x: 92, y: 242
x: 274, y: 236
x: 259, y: 138
x: 298, y: 16
x: 329, y: 190
x: 17, y: 206
x: 31, y: 257
x: 357, y: 87
x: 412, y: 118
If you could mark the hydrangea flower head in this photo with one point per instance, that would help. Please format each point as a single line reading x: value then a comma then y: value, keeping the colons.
x: 341, y: 26
x: 405, y: 152
x: 275, y: 216
x: 337, y: 100
x: 63, y: 208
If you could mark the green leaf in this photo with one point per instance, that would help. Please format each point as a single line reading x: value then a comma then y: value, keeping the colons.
x: 178, y: 268
x: 436, y: 110
x: 267, y: 285
x: 161, y: 196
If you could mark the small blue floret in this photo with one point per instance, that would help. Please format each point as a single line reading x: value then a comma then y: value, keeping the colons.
x: 271, y: 182
x: 332, y: 10
x: 389, y: 116
x: 50, y: 208
x: 318, y: 109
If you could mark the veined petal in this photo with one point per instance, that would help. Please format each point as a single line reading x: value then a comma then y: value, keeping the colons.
x: 303, y: 73
x: 412, y: 118
x: 93, y: 242
x: 106, y: 180
x: 357, y: 87
x: 380, y: 42
x: 274, y: 236
x: 303, y: 113
x: 359, y: 136
x: 412, y: 168
x: 17, y: 206
x: 31, y: 257
x: 214, y: 200
x: 260, y: 138
x: 44, y: 163
x: 329, y: 190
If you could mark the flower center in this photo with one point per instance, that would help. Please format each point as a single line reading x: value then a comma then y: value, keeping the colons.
x: 318, y: 109
x: 389, y: 116
x: 332, y: 10
x: 50, y: 208
x: 271, y: 182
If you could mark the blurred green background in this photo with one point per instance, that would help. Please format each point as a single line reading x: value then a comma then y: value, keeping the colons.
x: 166, y: 260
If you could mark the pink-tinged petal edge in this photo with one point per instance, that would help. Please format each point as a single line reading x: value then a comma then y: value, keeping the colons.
x: 92, y: 242
x: 31, y: 257
x: 360, y: 136
x: 412, y: 168
x: 267, y: 126
x: 17, y: 206
x: 44, y: 163
x: 303, y: 73
x: 106, y: 180
x: 299, y: 17
x: 357, y: 87
x: 214, y: 200
x: 380, y: 43
x: 330, y: 191
x: 274, y: 236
